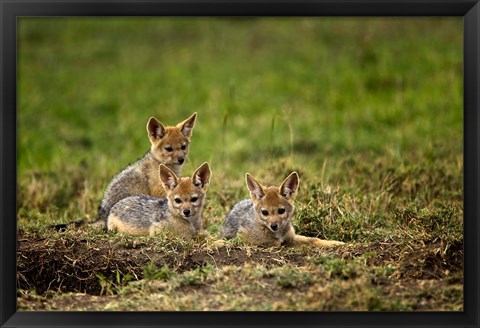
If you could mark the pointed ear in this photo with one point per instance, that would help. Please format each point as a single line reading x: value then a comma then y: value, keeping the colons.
x: 201, y: 176
x: 289, y: 186
x: 186, y: 126
x: 256, y: 190
x: 168, y: 177
x: 155, y: 129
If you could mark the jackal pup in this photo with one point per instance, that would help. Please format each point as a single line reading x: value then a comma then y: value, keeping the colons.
x: 180, y: 213
x: 169, y: 146
x: 265, y: 219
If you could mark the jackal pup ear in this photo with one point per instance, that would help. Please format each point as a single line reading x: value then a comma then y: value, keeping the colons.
x: 289, y: 186
x: 168, y: 177
x: 155, y: 129
x: 201, y: 176
x: 187, y: 126
x: 256, y: 189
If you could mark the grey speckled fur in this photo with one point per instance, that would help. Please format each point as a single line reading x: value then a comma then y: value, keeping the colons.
x: 168, y: 145
x: 141, y: 210
x: 265, y: 218
x: 179, y: 213
x: 242, y: 215
x: 127, y: 183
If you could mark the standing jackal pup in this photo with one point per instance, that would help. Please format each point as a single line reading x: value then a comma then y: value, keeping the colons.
x: 180, y: 213
x: 169, y: 146
x: 265, y: 219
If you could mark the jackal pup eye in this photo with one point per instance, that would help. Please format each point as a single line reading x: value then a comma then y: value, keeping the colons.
x: 281, y: 210
x: 264, y: 212
x: 194, y: 199
x: 169, y: 148
x: 178, y: 200
x: 184, y: 147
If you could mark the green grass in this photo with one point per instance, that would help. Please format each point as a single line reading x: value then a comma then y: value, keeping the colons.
x: 368, y: 111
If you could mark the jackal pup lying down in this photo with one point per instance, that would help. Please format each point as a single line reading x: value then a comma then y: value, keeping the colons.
x: 169, y: 146
x: 180, y: 213
x: 265, y: 219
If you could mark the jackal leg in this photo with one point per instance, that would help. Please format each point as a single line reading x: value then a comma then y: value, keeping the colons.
x: 302, y: 240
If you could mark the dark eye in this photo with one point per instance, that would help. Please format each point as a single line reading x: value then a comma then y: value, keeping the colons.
x: 265, y: 212
x: 169, y: 148
x: 184, y: 147
x: 178, y: 200
x: 193, y: 199
x: 281, y: 210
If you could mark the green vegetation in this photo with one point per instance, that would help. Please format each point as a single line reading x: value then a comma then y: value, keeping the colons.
x: 367, y: 111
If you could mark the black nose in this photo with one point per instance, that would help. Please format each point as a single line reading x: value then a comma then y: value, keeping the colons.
x: 274, y: 226
x: 186, y: 212
x: 181, y: 160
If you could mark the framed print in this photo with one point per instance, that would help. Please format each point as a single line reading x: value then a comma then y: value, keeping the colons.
x: 239, y: 163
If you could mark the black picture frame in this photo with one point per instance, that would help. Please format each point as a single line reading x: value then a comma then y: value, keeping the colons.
x: 11, y: 10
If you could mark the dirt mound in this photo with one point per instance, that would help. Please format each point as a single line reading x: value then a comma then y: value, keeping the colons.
x: 76, y: 262
x: 75, y: 265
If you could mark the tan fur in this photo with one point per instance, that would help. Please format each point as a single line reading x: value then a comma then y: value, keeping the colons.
x: 266, y: 219
x: 116, y: 223
x: 184, y: 189
x: 175, y: 226
x: 169, y: 146
x: 155, y: 188
x: 179, y: 214
x: 175, y: 137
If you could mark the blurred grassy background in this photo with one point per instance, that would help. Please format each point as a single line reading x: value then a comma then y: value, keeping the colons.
x: 310, y: 94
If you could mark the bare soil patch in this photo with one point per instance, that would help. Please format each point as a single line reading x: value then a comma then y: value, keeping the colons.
x: 73, y: 265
